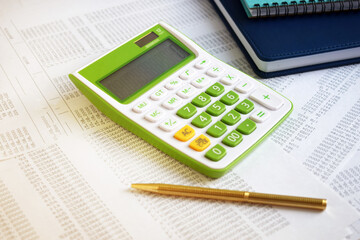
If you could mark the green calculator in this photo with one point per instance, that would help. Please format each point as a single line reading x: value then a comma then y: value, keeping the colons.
x: 167, y: 90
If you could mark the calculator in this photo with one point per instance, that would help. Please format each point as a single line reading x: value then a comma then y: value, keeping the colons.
x: 170, y: 92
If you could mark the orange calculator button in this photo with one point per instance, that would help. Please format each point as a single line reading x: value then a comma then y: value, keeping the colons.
x: 185, y: 133
x: 200, y: 143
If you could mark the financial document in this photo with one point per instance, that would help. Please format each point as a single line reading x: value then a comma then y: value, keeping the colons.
x: 65, y: 168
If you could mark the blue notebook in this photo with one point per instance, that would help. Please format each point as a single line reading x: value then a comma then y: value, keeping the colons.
x: 287, y: 45
x: 270, y: 8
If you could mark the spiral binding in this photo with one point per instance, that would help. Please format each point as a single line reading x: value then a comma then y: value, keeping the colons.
x: 318, y: 6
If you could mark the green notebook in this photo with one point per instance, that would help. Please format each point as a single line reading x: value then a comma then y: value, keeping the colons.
x: 270, y: 8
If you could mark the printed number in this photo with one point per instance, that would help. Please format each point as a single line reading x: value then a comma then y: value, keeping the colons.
x: 202, y: 98
x: 230, y: 96
x: 233, y: 136
x: 203, y: 118
x: 245, y: 104
x: 216, y: 88
x: 217, y: 107
x: 232, y: 115
x: 216, y: 151
x: 216, y: 126
x: 187, y: 108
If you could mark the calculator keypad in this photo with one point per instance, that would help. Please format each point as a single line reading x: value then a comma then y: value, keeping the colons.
x: 210, y: 108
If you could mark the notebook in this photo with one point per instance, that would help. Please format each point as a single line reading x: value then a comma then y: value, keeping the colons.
x: 267, y: 8
x: 287, y: 45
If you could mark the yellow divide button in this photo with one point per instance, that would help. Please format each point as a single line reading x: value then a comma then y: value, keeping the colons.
x: 185, y: 133
x: 200, y: 143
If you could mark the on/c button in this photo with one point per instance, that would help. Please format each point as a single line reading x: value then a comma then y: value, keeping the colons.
x: 185, y: 133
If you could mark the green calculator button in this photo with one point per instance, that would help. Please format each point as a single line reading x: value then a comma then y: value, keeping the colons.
x: 217, y: 130
x: 216, y: 153
x: 215, y: 90
x: 201, y: 100
x: 246, y: 127
x: 187, y: 111
x: 230, y: 98
x: 245, y: 106
x: 216, y: 108
x: 231, y: 118
x: 202, y: 120
x: 232, y: 139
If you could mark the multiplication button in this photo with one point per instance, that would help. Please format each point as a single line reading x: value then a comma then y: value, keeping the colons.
x: 266, y: 99
x: 229, y: 79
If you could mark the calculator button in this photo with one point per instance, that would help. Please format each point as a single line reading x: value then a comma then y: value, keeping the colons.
x: 246, y: 127
x: 203, y: 63
x: 188, y: 73
x: 231, y: 118
x: 154, y: 115
x: 169, y: 124
x: 214, y: 71
x: 244, y: 86
x: 216, y: 109
x: 201, y: 81
x: 187, y: 111
x: 215, y: 90
x: 173, y: 84
x: 229, y: 79
x: 159, y: 94
x: 202, y: 120
x: 185, y: 133
x: 186, y: 91
x: 230, y: 98
x: 217, y: 130
x: 201, y: 100
x: 141, y: 106
x: 260, y: 116
x: 266, y: 99
x: 216, y: 153
x: 232, y: 139
x: 172, y: 102
x: 200, y: 143
x: 245, y: 106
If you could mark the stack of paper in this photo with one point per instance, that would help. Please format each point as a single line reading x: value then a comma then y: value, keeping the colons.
x: 65, y: 169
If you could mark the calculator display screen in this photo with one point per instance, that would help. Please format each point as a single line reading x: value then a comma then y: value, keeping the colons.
x: 141, y: 71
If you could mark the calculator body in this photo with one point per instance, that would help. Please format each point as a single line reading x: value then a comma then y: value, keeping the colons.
x: 151, y: 84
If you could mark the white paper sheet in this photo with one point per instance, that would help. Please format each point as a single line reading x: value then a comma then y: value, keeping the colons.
x: 42, y: 41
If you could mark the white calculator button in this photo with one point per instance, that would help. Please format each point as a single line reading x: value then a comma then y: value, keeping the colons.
x: 173, y: 84
x: 260, y: 116
x: 266, y: 99
x: 186, y: 91
x: 172, y: 102
x: 154, y: 115
x: 229, y: 79
x: 201, y: 81
x: 214, y: 71
x: 188, y: 73
x: 141, y: 106
x: 169, y: 124
x: 159, y: 94
x: 244, y: 86
x: 203, y: 63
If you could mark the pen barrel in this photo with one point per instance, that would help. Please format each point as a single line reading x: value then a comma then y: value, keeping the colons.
x: 243, y: 196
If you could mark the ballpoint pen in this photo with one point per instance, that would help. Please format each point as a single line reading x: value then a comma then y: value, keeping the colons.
x: 231, y: 195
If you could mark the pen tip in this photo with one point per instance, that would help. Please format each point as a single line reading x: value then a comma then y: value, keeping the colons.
x: 144, y: 186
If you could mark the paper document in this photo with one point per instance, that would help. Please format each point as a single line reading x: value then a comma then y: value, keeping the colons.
x: 65, y: 168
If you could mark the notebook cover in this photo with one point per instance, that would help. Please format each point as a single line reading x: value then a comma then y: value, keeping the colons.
x: 294, y: 36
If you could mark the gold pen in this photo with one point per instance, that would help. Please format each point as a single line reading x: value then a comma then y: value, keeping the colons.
x: 231, y: 195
